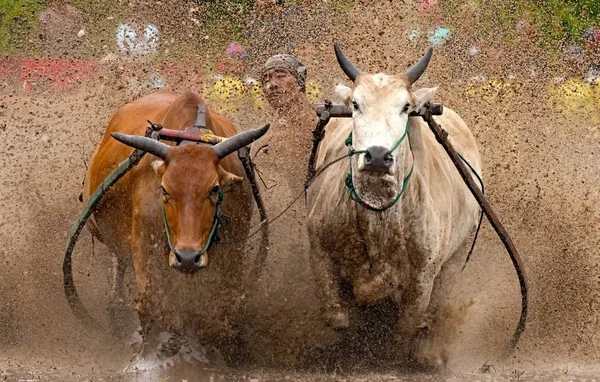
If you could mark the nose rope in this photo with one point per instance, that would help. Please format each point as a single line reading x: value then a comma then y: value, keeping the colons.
x: 212, y: 238
x: 350, y: 186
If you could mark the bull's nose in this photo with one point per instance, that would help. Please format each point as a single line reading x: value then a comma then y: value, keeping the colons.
x: 378, y: 158
x: 189, y: 261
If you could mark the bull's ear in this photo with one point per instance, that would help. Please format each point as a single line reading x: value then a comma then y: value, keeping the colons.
x: 226, y: 178
x: 159, y: 168
x: 423, y: 97
x: 345, y: 94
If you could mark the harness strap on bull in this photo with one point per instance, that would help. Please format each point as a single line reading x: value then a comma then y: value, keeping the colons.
x: 70, y: 291
x: 464, y: 168
x: 249, y: 168
x: 212, y: 236
x: 350, y: 186
x: 197, y: 133
x: 317, y: 136
x: 442, y: 137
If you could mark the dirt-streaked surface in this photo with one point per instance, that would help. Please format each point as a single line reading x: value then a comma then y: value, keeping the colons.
x: 540, y: 171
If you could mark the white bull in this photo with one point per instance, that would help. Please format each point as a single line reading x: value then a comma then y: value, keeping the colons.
x: 406, y: 229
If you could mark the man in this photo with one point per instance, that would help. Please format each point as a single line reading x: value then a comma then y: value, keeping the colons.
x: 284, y: 83
x: 283, y: 165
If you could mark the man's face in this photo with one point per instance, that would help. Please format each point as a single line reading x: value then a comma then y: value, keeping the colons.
x: 280, y: 87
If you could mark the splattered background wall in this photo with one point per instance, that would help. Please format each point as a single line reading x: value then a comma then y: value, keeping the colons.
x: 521, y: 73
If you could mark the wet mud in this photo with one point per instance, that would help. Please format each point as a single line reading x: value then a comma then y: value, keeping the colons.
x: 538, y: 142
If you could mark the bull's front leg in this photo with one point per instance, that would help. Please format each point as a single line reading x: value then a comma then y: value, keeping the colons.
x: 416, y: 297
x: 327, y: 279
x: 117, y: 307
x: 142, y: 242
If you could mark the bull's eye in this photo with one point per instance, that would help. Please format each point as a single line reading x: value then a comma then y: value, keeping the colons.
x: 406, y: 108
x: 355, y: 106
x: 166, y: 197
x: 215, y: 190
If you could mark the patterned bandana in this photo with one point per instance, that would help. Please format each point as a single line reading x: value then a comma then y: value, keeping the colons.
x: 290, y: 63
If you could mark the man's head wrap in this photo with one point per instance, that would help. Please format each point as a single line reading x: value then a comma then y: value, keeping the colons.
x: 291, y: 64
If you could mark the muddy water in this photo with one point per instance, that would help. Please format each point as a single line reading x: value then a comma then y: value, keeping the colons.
x: 21, y: 373
x: 540, y: 170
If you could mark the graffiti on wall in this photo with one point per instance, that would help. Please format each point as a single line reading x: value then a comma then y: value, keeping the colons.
x: 436, y: 37
x: 131, y: 44
x: 56, y: 73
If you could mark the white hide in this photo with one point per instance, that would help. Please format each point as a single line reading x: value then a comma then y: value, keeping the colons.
x: 420, y: 242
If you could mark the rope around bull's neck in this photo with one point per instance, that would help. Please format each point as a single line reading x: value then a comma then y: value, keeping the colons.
x: 347, y: 142
x: 350, y: 184
x: 325, y: 167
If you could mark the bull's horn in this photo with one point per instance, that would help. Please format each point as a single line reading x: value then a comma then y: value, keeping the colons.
x: 239, y: 140
x: 349, y: 68
x: 149, y: 145
x: 418, y: 69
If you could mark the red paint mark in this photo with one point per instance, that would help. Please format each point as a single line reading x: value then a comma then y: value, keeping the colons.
x: 427, y: 5
x: 60, y: 73
x: 63, y: 73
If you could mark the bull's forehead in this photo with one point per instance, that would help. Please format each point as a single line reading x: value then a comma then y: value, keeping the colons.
x: 381, y: 89
x: 191, y: 167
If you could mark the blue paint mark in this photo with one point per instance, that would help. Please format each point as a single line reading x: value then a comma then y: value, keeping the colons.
x: 438, y: 36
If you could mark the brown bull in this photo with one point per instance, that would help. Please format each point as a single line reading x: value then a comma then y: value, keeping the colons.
x: 165, y: 210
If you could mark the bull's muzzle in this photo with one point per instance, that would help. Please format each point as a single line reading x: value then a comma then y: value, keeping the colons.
x: 189, y: 261
x: 378, y: 159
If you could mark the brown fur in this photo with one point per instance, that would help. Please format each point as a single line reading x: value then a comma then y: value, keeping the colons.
x: 129, y: 219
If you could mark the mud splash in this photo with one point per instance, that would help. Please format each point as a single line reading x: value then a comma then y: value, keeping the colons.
x: 538, y: 168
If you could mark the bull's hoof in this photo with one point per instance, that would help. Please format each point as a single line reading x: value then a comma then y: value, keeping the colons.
x: 428, y: 353
x: 420, y: 352
x: 336, y: 318
x: 166, y: 350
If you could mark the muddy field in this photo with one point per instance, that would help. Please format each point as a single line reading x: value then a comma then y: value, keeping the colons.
x: 540, y: 166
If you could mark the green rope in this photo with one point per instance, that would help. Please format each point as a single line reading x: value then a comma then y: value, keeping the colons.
x: 211, y: 237
x: 69, y: 287
x: 354, y: 194
x: 350, y: 186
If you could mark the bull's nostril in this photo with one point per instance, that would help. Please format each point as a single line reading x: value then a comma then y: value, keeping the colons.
x: 388, y: 160
x: 368, y: 157
x: 177, y: 258
x: 197, y: 259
